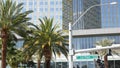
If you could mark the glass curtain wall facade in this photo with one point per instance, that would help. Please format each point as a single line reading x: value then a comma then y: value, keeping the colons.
x: 110, y: 14
x: 84, y: 42
x: 67, y: 13
x: 92, y: 19
x: 106, y: 16
x: 77, y: 64
x: 42, y: 8
x: 84, y: 64
x: 101, y: 17
x: 72, y: 9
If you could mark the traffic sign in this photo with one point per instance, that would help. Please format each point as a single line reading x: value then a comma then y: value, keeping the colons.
x: 84, y: 57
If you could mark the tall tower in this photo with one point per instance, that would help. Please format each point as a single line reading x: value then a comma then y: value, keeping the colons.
x: 98, y: 23
x: 72, y: 9
x: 92, y: 19
x: 41, y: 8
x: 67, y: 13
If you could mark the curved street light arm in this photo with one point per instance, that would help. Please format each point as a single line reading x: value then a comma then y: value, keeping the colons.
x: 112, y: 3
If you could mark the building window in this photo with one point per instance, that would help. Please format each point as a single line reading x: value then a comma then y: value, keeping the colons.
x: 60, y: 9
x: 46, y: 9
x: 30, y: 3
x: 41, y: 9
x: 46, y: 3
x: 52, y: 3
x: 60, y: 2
x: 35, y: 9
x: 57, y: 9
x: 51, y: 9
x: 56, y: 2
x: 35, y: 3
x: 61, y: 17
x: 41, y: 3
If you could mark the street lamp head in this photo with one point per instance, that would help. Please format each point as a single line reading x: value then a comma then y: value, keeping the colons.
x: 112, y: 3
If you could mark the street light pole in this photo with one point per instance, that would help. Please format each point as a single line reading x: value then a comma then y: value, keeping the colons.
x: 112, y: 3
x: 71, y: 51
x: 70, y: 47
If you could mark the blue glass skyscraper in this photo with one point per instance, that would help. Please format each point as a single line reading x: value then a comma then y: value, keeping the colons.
x: 72, y: 9
x: 97, y: 24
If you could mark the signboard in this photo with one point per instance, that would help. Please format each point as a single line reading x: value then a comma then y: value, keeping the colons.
x: 86, y: 57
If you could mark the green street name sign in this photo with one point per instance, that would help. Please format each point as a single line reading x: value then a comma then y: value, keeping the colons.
x: 86, y: 57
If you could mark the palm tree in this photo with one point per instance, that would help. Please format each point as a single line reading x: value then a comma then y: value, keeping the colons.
x: 47, y: 41
x: 13, y: 55
x: 103, y: 43
x: 30, y: 47
x: 11, y: 18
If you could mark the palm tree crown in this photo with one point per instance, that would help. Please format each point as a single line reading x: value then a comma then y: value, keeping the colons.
x: 11, y: 21
x: 47, y: 40
x: 103, y: 43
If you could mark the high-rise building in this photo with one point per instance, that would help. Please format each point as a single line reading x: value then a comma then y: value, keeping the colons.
x: 72, y: 9
x: 67, y: 13
x: 42, y: 8
x: 97, y: 24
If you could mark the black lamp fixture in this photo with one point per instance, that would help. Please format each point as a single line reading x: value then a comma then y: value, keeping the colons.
x: 109, y: 52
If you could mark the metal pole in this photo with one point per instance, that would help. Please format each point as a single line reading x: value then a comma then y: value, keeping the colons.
x: 114, y: 63
x: 71, y: 52
x: 112, y: 3
x: 114, y: 46
x: 61, y: 64
x: 70, y: 47
x: 55, y: 64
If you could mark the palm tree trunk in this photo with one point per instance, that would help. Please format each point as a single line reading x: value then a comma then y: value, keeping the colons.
x: 4, y: 46
x: 47, y: 54
x: 106, y: 61
x: 47, y: 63
x: 38, y: 63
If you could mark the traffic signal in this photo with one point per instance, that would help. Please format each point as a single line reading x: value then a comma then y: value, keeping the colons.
x: 100, y: 63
